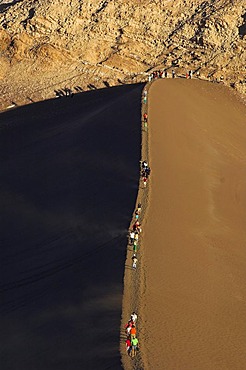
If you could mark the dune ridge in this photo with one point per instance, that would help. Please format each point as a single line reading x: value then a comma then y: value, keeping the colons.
x: 133, y: 280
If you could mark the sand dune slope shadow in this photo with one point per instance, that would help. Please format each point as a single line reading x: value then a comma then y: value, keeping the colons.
x: 69, y: 179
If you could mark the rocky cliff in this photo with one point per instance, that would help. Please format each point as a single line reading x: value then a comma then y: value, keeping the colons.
x: 48, y: 47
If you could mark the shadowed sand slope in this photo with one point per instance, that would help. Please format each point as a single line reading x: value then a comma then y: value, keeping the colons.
x: 69, y: 181
x: 194, y: 254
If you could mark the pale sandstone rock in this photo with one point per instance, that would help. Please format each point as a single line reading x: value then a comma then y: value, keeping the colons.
x: 75, y: 42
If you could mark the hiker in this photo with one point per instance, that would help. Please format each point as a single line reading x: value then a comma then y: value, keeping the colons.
x: 136, y: 236
x: 134, y: 343
x: 136, y: 215
x: 128, y: 346
x: 145, y: 117
x: 133, y: 331
x: 144, y: 165
x: 128, y: 327
x: 135, y: 246
x: 147, y: 171
x: 138, y: 229
x: 134, y: 261
x: 134, y: 317
x: 139, y: 208
x: 145, y: 181
x: 173, y: 74
x: 135, y: 226
x: 143, y: 173
x: 132, y: 236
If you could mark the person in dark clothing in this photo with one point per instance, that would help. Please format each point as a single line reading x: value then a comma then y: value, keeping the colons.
x: 147, y: 171
x: 144, y: 165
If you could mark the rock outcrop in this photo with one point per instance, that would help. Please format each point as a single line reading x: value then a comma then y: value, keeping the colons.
x: 48, y: 47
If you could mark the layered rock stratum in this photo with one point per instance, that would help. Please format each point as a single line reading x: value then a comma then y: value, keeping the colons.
x: 50, y: 47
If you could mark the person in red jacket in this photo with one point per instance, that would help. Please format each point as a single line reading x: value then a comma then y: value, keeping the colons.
x: 128, y: 346
x: 145, y: 181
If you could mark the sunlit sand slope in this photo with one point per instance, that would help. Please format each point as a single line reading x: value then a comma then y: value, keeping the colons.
x: 194, y: 240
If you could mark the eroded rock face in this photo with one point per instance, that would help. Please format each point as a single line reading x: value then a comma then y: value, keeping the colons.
x: 49, y: 45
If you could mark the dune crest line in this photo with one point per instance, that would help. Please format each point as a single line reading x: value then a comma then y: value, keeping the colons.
x: 134, y: 284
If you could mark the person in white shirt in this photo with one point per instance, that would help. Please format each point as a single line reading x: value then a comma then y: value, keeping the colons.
x: 134, y: 262
x: 132, y: 236
x: 134, y: 317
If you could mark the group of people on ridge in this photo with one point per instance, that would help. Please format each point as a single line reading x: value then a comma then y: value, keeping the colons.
x: 132, y: 343
x: 134, y: 236
x: 145, y: 172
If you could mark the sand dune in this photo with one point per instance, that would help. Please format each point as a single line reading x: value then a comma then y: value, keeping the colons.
x: 193, y: 256
x: 69, y: 180
x: 69, y: 176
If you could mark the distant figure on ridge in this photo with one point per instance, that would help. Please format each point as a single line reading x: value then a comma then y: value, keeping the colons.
x: 128, y: 327
x: 134, y: 343
x: 144, y: 165
x: 134, y: 317
x: 145, y: 181
x: 132, y: 236
x: 133, y: 331
x: 134, y: 262
x: 145, y: 96
x: 147, y: 171
x: 128, y: 346
x: 135, y: 225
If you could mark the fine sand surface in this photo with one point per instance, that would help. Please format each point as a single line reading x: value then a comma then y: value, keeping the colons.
x: 192, y: 313
x: 68, y: 187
